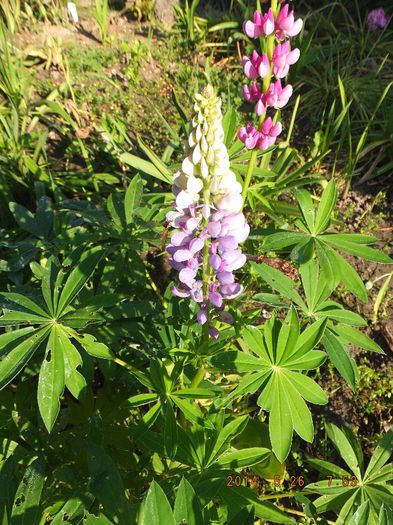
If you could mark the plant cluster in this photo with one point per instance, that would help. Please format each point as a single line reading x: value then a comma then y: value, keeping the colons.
x: 142, y: 380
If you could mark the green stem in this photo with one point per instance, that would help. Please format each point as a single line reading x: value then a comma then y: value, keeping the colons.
x: 198, y: 376
x: 247, y: 179
x: 279, y: 495
x: 122, y: 363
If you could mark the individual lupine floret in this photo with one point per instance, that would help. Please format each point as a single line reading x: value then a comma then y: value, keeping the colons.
x: 263, y: 139
x: 277, y: 96
x: 262, y: 25
x: 269, y: 133
x: 256, y: 66
x: 377, y: 19
x: 253, y: 93
x: 283, y: 58
x: 286, y: 25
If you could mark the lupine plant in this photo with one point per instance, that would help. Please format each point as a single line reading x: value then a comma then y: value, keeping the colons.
x: 164, y: 348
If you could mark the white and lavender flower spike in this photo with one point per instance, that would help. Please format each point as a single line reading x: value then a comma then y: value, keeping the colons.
x: 204, y: 249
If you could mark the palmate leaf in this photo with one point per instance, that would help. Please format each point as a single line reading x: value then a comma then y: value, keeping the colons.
x: 62, y: 358
x: 340, y: 331
x: 362, y: 489
x: 315, y: 239
x: 277, y: 353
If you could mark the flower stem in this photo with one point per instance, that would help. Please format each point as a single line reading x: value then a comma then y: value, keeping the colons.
x: 247, y: 179
x: 206, y: 275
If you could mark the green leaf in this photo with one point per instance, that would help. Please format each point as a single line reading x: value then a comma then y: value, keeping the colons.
x: 132, y: 199
x: 106, y: 483
x: 347, y: 273
x: 344, y: 448
x: 16, y: 318
x: 226, y: 434
x: 192, y: 412
x: 340, y: 315
x: 310, y: 279
x: 245, y: 517
x: 197, y: 393
x: 307, y: 340
x: 361, y: 516
x: 383, y: 475
x: 326, y: 466
x: 115, y: 206
x: 280, y: 422
x: 187, y: 507
x: 348, y: 509
x: 309, y: 361
x: 90, y: 519
x: 48, y: 280
x: 352, y: 336
x: 74, y: 509
x: 340, y: 358
x: 253, y: 337
x: 307, y: 387
x: 157, y: 162
x: 13, y: 362
x: 249, y: 384
x: 156, y: 509
x: 358, y: 250
x: 282, y: 239
x: 243, y: 458
x: 288, y: 336
x: 356, y: 238
x: 303, y: 252
x: 280, y: 282
x: 24, y: 302
x: 74, y: 380
x: 25, y: 219
x: 241, y: 497
x: 381, y: 455
x: 51, y: 380
x: 306, y: 206
x: 146, y: 167
x: 140, y: 400
x: 301, y: 416
x: 78, y: 277
x: 92, y: 346
x: 170, y: 431
x: 27, y: 497
x: 326, y: 207
x: 383, y: 517
x: 236, y: 361
x: 229, y: 126
x: 8, y: 487
x: 10, y: 338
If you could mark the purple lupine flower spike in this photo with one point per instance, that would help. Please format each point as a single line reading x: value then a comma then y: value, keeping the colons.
x: 207, y: 215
